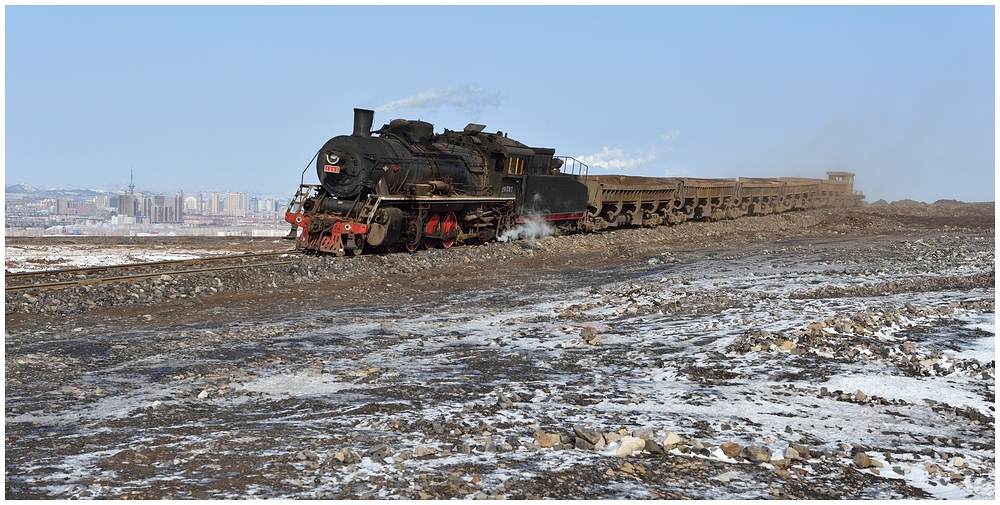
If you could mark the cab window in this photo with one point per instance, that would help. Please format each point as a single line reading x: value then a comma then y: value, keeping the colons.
x: 515, y: 166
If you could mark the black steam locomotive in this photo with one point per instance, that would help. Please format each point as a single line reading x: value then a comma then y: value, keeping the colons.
x: 406, y: 186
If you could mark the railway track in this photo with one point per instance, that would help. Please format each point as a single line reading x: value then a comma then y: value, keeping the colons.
x: 76, y: 277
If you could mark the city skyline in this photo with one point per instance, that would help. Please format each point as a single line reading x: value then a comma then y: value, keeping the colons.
x: 128, y: 212
x: 241, y: 97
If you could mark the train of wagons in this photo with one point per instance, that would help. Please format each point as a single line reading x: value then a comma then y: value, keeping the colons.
x: 405, y: 187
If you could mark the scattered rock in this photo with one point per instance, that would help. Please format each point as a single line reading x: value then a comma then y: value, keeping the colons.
x: 590, y: 436
x: 629, y: 445
x: 643, y: 433
x: 731, y: 449
x: 547, y: 440
x: 861, y: 460
x: 756, y: 454
x: 791, y: 454
x: 671, y: 440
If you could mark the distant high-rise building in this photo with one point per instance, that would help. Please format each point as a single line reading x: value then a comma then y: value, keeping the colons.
x: 102, y: 201
x: 201, y: 204
x: 82, y: 208
x: 213, y: 207
x: 144, y: 207
x: 237, y: 204
x: 178, y: 207
x: 126, y: 204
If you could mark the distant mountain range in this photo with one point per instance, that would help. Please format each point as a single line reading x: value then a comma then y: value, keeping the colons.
x: 24, y: 189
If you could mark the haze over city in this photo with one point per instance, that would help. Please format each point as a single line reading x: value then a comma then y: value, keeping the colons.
x: 240, y: 98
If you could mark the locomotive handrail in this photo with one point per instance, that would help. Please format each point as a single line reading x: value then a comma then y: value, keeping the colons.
x: 577, y: 167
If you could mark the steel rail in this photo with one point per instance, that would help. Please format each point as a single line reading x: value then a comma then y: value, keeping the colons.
x: 122, y: 278
x: 190, y: 261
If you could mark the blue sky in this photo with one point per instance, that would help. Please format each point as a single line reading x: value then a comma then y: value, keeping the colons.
x: 240, y: 98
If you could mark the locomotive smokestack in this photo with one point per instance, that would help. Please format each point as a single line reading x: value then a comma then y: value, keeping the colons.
x: 363, y: 122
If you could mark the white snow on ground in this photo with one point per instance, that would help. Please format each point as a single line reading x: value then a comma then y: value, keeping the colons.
x: 644, y: 374
x: 57, y: 257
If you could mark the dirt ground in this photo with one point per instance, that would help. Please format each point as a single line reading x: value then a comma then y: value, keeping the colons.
x: 475, y: 372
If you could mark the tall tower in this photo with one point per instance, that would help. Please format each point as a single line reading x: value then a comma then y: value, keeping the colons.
x: 131, y: 192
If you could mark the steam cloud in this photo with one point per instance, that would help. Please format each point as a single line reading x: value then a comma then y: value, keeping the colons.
x: 530, y: 231
x: 615, y: 159
x: 469, y: 98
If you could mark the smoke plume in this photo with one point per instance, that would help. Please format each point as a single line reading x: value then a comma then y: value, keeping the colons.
x: 466, y: 98
x: 615, y: 159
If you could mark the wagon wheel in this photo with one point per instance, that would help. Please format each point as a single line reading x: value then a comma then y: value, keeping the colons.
x: 450, y: 228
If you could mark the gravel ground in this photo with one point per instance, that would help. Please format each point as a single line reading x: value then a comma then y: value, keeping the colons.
x: 814, y: 355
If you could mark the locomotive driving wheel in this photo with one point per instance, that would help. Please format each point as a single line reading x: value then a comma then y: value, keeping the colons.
x: 433, y: 228
x: 450, y: 228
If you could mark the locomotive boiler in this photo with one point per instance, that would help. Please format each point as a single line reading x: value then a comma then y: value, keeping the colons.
x: 403, y: 186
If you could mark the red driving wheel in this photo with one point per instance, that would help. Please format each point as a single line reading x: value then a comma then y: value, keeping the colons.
x: 450, y: 228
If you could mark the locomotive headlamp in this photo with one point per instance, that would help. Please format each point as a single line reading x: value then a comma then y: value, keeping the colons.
x: 332, y: 158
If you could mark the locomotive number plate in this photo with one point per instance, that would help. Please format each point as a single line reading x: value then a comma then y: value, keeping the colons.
x: 333, y: 169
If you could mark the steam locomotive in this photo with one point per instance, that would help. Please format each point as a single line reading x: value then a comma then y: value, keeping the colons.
x: 403, y: 186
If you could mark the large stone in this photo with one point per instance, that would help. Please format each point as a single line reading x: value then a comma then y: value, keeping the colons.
x: 803, y: 450
x: 422, y: 450
x: 791, y: 453
x: 504, y: 402
x: 652, y: 447
x: 347, y: 456
x: 379, y: 451
x: 629, y: 445
x: 547, y: 440
x: 643, y: 433
x: 671, y: 440
x: 731, y: 449
x: 756, y: 454
x: 593, y: 437
x: 861, y: 460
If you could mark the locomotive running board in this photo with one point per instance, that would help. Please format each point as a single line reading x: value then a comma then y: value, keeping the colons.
x: 446, y: 199
x: 373, y: 202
